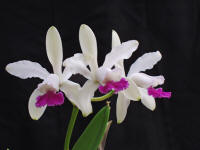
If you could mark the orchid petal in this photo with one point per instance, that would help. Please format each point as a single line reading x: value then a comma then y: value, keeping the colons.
x: 123, y: 51
x: 76, y: 64
x: 159, y: 93
x: 132, y: 92
x: 146, y: 81
x: 87, y: 92
x: 115, y: 39
x: 88, y: 45
x: 122, y: 107
x: 71, y: 90
x: 81, y: 97
x: 54, y: 50
x: 120, y: 85
x: 147, y: 100
x: 145, y: 62
x: 26, y: 69
x: 35, y: 112
x: 51, y: 83
x: 66, y: 74
x: 50, y: 98
x: 116, y: 42
x: 104, y: 75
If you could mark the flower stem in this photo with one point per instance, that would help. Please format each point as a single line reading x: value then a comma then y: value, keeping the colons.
x: 71, y: 127
x: 101, y: 98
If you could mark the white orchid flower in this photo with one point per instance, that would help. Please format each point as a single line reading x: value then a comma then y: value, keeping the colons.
x: 47, y: 93
x: 142, y: 80
x: 105, y: 74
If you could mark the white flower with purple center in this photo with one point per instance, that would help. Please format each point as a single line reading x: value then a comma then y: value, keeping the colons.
x: 105, y: 75
x: 47, y: 93
x: 144, y: 82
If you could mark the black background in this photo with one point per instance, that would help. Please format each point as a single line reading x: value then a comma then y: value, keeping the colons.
x: 170, y: 26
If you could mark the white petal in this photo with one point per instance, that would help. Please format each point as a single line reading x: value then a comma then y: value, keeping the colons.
x: 87, y: 92
x: 81, y: 97
x: 51, y: 83
x: 147, y: 100
x: 88, y: 45
x: 123, y: 51
x: 76, y: 64
x: 132, y: 92
x: 147, y: 61
x: 71, y: 90
x: 66, y: 74
x: 104, y: 75
x: 26, y: 69
x: 101, y: 74
x: 145, y: 81
x: 122, y: 107
x: 115, y: 39
x: 54, y: 50
x: 35, y: 112
x: 115, y: 75
x: 116, y: 42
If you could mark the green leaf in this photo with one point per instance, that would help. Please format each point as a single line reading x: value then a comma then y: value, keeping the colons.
x: 93, y: 134
x: 103, y: 141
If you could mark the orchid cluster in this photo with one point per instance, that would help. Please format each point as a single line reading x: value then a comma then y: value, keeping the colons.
x: 109, y: 79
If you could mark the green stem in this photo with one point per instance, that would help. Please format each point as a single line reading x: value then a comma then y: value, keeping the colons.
x: 101, y: 98
x: 71, y: 127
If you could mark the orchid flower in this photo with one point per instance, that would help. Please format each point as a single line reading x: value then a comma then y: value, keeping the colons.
x: 144, y: 82
x: 47, y: 93
x: 104, y: 75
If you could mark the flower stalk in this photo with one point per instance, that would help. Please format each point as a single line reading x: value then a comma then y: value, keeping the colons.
x: 71, y: 127
x: 101, y: 98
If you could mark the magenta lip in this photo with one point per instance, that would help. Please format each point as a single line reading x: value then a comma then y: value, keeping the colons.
x: 116, y: 86
x: 50, y: 98
x: 158, y: 93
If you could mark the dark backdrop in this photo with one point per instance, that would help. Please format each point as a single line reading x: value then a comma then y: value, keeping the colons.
x: 170, y: 26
